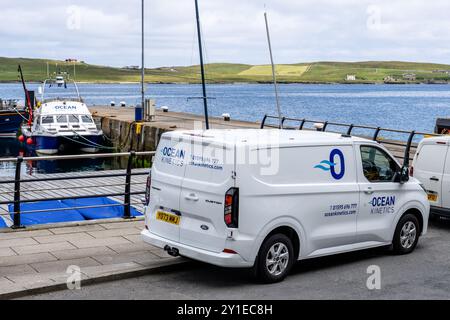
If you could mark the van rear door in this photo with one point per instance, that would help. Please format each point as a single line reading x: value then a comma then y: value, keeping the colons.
x: 429, y: 169
x: 445, y: 199
x: 208, y: 176
x: 167, y: 178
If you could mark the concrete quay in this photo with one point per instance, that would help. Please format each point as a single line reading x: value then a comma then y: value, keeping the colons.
x: 119, y: 126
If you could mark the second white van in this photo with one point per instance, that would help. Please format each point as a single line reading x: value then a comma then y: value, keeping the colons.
x: 431, y: 166
x: 264, y: 199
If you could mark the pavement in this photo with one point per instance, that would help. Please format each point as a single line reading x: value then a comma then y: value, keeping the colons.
x: 37, y: 259
x: 424, y: 274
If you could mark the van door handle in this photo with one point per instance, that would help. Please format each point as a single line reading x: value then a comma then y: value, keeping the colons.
x: 368, y: 191
x: 434, y: 179
x: 192, y: 197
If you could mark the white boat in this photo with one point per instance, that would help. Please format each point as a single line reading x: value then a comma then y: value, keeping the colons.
x: 62, y: 124
x: 60, y: 81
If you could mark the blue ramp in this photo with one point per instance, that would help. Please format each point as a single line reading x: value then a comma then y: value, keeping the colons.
x: 2, y: 223
x: 29, y: 219
x: 112, y: 209
x: 108, y: 212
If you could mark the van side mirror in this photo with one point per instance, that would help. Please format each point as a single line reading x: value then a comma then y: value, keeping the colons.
x: 404, y: 174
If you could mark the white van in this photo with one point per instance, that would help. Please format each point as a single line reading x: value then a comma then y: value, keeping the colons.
x: 263, y: 199
x: 431, y: 166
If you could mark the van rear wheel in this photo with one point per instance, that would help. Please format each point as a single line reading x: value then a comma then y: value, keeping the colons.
x: 275, y: 259
x: 406, y: 235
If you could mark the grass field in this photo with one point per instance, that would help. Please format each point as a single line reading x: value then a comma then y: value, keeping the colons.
x: 281, y: 70
x: 317, y: 72
x: 373, y: 71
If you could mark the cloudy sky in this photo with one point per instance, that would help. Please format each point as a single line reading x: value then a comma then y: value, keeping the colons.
x: 107, y: 32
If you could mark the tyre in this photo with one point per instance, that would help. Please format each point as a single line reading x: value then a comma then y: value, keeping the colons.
x: 275, y: 259
x: 406, y: 235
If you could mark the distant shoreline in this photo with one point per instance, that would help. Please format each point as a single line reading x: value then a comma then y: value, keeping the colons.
x: 321, y: 72
x: 241, y: 83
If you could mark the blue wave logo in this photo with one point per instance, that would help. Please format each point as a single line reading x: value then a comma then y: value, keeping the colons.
x: 325, y: 165
x: 331, y: 165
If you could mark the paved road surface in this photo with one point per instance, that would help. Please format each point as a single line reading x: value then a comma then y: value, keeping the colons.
x: 425, y: 274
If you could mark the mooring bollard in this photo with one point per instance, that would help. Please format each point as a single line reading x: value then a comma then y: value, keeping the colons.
x: 226, y: 117
x: 319, y: 126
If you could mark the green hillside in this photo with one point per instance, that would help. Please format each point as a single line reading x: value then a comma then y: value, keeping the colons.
x: 316, y: 72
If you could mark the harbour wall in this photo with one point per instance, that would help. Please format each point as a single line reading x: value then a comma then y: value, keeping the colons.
x: 124, y: 133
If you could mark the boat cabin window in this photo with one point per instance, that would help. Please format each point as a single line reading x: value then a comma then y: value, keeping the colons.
x: 61, y: 119
x: 86, y: 119
x: 47, y: 120
x: 73, y: 119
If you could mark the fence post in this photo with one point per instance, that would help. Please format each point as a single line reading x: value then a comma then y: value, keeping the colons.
x: 127, y: 200
x: 282, y: 122
x: 377, y: 132
x: 350, y: 129
x: 17, y: 178
x: 302, y: 124
x: 263, y: 123
x: 408, y: 148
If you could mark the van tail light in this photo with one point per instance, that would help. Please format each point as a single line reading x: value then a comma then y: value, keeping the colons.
x: 411, y: 171
x: 231, y: 211
x: 229, y: 251
x: 147, y: 189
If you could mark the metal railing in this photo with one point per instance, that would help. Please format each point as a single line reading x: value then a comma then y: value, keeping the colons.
x: 350, y: 128
x: 19, y: 180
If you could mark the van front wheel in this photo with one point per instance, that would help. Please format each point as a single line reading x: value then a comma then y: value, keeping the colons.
x: 275, y: 259
x: 406, y: 235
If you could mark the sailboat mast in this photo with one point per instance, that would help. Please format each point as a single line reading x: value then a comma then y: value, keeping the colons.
x: 27, y: 95
x: 143, y: 55
x: 202, y: 66
x: 274, y: 76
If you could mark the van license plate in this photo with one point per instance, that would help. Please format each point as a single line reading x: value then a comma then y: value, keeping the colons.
x: 432, y: 197
x: 167, y: 217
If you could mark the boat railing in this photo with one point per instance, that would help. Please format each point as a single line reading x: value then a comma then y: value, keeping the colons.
x: 64, y: 99
x: 53, y: 81
x: 19, y: 180
x: 403, y: 149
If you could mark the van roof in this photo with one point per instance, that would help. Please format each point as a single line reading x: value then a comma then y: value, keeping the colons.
x: 266, y: 136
